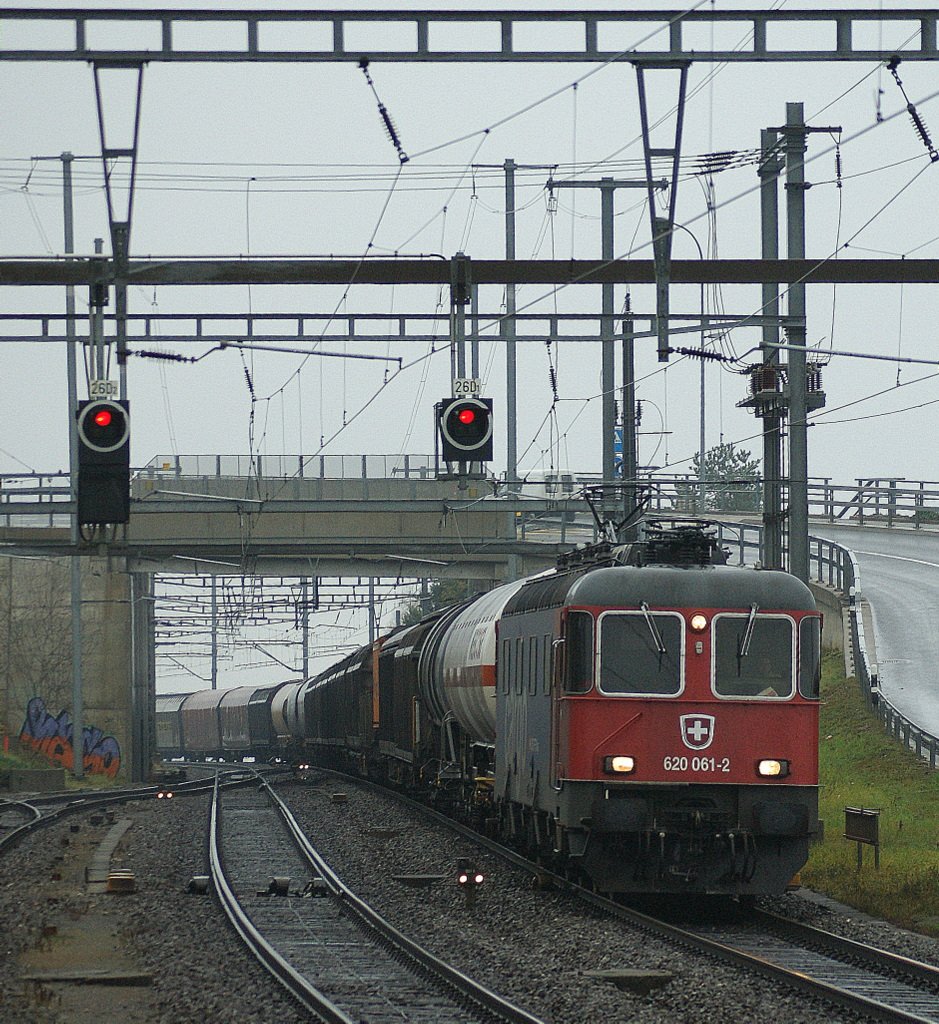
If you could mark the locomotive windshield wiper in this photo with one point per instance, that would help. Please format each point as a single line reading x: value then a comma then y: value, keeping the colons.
x: 654, y: 630
x: 744, y: 649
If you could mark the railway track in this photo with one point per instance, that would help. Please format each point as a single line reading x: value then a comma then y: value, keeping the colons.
x: 331, y: 950
x: 40, y: 811
x: 874, y: 982
x: 879, y: 983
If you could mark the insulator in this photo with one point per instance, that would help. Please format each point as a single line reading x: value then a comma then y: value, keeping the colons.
x: 389, y: 125
x: 813, y: 377
x: 921, y: 130
x: 762, y: 378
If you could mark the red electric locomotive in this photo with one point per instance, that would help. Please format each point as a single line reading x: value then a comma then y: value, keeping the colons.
x: 653, y: 723
x: 673, y: 747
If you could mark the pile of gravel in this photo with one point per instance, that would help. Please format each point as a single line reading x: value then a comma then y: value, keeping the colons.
x: 534, y: 947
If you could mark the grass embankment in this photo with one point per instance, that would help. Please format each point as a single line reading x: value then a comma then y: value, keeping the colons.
x: 860, y: 766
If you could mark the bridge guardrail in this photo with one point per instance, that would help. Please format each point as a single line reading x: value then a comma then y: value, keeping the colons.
x: 285, y: 467
x: 837, y: 567
x: 887, y: 501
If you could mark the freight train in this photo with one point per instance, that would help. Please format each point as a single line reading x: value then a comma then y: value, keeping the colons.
x: 644, y: 715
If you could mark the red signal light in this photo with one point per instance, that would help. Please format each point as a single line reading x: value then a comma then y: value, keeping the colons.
x: 103, y: 418
x: 465, y: 426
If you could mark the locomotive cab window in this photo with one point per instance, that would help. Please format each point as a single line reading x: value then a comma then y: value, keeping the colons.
x: 753, y: 655
x: 578, y: 652
x: 810, y: 660
x: 641, y: 653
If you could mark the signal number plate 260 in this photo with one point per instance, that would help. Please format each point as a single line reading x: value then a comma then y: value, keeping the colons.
x: 696, y: 764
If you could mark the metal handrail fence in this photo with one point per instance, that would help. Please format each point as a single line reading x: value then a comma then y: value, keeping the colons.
x: 836, y: 566
x: 888, y: 501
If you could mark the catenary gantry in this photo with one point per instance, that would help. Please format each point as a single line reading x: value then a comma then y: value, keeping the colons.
x: 590, y: 36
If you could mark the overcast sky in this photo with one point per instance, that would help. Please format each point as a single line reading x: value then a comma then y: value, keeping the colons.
x: 293, y: 160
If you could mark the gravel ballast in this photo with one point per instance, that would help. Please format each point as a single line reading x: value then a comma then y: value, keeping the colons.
x: 200, y: 972
x: 534, y: 946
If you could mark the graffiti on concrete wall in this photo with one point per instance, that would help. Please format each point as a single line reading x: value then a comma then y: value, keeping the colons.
x: 51, y: 737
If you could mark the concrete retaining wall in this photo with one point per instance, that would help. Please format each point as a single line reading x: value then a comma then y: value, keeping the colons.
x: 33, y: 780
x: 36, y: 662
x: 830, y: 604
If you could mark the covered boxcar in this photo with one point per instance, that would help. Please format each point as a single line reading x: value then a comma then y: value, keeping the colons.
x: 201, y: 732
x: 233, y: 720
x: 169, y: 727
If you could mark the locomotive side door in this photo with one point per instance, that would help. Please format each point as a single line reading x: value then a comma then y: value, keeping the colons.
x: 524, y: 709
x: 558, y: 661
x: 572, y: 675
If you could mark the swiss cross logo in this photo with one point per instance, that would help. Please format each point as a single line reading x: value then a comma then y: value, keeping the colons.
x: 697, y: 731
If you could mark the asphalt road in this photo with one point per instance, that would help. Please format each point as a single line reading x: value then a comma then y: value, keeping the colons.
x: 900, y: 579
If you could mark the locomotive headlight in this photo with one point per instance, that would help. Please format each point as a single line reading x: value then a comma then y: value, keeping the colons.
x: 699, y: 623
x: 619, y: 764
x: 772, y: 768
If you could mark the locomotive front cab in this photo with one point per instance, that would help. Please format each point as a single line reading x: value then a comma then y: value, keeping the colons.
x: 684, y: 735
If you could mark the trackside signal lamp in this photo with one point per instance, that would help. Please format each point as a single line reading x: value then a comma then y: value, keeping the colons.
x: 469, y: 878
x: 103, y: 461
x: 103, y: 425
x: 465, y: 427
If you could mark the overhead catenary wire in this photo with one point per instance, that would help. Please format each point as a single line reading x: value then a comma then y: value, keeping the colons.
x: 534, y: 104
x: 424, y: 364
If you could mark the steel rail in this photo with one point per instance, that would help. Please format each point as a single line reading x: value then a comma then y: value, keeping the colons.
x: 467, y: 987
x: 72, y: 803
x: 849, y: 948
x: 662, y: 929
x: 269, y: 958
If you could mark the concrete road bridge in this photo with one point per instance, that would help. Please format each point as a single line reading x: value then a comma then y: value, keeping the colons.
x: 327, y: 517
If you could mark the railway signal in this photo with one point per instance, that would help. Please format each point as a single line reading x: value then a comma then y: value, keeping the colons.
x: 103, y: 461
x: 465, y: 426
x: 469, y: 878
